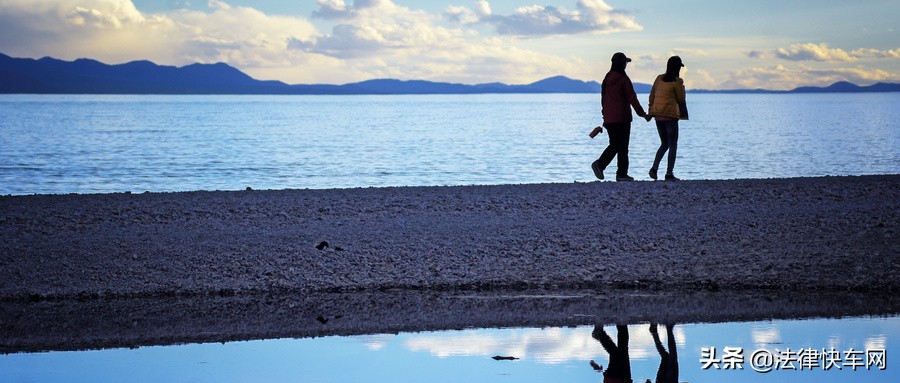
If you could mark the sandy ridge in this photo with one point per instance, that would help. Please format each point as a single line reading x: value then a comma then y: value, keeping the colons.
x: 832, y: 233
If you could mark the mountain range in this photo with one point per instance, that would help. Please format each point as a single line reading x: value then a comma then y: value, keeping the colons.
x: 85, y: 76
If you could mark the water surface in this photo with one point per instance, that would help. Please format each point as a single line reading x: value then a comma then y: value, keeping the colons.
x: 104, y: 143
x: 546, y: 354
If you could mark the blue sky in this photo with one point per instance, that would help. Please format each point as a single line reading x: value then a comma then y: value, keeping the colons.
x: 774, y: 44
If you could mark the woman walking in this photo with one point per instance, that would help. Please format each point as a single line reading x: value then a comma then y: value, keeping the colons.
x: 667, y: 105
x: 617, y: 97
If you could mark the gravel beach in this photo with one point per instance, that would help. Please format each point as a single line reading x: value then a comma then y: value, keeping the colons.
x: 829, y: 233
x: 129, y: 270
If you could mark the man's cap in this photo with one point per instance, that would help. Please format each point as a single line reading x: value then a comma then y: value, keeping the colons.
x: 675, y: 60
x: 620, y: 57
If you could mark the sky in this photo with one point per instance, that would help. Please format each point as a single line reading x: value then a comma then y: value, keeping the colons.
x: 771, y: 44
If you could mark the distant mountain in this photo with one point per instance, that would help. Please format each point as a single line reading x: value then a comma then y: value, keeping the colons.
x: 86, y: 76
x: 846, y: 87
x: 838, y: 87
x: 49, y: 75
x: 562, y: 84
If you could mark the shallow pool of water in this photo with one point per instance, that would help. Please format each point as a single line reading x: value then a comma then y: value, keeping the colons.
x: 857, y: 349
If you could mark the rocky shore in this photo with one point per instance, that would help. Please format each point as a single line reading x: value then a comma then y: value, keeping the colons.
x: 129, y: 270
x: 804, y: 234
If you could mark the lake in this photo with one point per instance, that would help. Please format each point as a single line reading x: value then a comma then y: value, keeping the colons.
x: 547, y: 354
x: 117, y: 143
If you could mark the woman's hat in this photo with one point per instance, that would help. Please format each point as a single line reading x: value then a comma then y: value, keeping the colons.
x: 620, y: 57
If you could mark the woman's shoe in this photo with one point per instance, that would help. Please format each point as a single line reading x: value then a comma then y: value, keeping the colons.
x: 624, y: 178
x: 671, y: 177
x: 653, y: 174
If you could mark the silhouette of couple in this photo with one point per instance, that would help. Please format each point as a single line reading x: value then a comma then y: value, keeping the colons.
x: 619, y: 368
x: 617, y: 98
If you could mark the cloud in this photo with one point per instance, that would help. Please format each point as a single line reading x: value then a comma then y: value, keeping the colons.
x: 369, y: 39
x: 687, y: 52
x: 546, y: 346
x: 780, y: 77
x: 372, y: 27
x: 115, y: 31
x: 590, y: 16
x: 875, y: 53
x: 698, y: 79
x: 755, y: 54
x: 461, y: 15
x: 821, y: 52
x: 384, y: 39
x: 331, y: 9
x: 857, y: 75
x: 813, y: 52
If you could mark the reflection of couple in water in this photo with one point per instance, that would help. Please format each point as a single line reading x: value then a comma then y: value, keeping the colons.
x: 619, y: 368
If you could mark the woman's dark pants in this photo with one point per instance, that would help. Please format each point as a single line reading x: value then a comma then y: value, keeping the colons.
x: 668, y: 140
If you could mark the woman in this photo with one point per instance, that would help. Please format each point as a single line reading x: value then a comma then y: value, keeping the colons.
x: 617, y: 97
x: 667, y: 105
x: 668, y: 364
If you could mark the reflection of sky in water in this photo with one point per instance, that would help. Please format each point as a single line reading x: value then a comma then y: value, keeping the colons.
x: 764, y: 334
x: 547, y: 345
x: 547, y: 354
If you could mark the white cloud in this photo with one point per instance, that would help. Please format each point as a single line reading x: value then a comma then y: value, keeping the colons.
x: 875, y: 53
x: 115, y: 31
x: 546, y: 345
x: 483, y: 8
x: 331, y: 9
x: 813, y: 52
x: 780, y: 77
x: 821, y: 52
x: 372, y: 27
x: 688, y: 52
x: 383, y: 39
x: 375, y: 342
x: 698, y: 79
x: 549, y: 345
x: 877, y: 342
x: 590, y: 16
x: 765, y: 335
x: 369, y: 39
x: 857, y: 75
x: 461, y: 15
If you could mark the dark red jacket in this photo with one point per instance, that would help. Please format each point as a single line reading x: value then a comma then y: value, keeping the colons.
x: 617, y: 99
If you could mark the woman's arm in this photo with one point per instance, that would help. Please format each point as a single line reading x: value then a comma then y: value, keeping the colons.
x: 682, y: 103
x: 679, y: 91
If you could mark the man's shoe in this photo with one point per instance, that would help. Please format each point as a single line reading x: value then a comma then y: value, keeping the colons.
x: 653, y: 174
x: 670, y: 177
x: 625, y: 178
x: 595, y: 166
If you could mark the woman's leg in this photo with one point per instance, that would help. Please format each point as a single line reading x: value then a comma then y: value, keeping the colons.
x: 672, y: 138
x: 673, y: 354
x: 663, y: 145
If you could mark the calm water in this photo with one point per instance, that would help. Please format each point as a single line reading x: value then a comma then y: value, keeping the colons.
x: 546, y: 355
x: 66, y: 143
